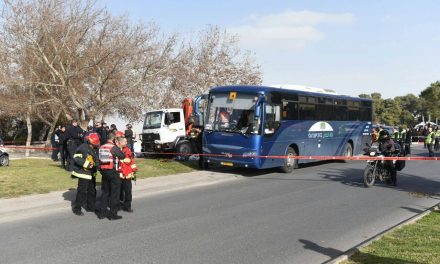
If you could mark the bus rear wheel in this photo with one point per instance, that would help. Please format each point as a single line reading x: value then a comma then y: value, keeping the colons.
x: 289, y: 162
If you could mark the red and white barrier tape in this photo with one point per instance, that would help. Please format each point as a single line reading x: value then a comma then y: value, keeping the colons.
x: 297, y: 157
x: 30, y: 148
x: 260, y: 156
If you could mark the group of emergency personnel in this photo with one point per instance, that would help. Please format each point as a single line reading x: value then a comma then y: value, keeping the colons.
x: 430, y: 136
x: 99, y: 149
x: 403, y: 138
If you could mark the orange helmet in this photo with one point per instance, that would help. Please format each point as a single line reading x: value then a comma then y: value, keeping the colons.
x: 119, y: 134
x: 93, y: 139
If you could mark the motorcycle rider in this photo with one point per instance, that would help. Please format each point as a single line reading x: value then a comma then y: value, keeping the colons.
x: 387, y: 147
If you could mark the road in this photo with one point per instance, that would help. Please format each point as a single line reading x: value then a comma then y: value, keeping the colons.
x: 309, y: 216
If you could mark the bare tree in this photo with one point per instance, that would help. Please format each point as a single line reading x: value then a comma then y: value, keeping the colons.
x: 69, y: 58
x: 214, y: 59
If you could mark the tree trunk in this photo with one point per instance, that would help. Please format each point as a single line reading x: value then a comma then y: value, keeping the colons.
x: 29, y: 130
x: 52, y: 129
x: 43, y: 132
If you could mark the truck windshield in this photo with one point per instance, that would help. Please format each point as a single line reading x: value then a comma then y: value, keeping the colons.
x: 233, y: 113
x: 153, y: 120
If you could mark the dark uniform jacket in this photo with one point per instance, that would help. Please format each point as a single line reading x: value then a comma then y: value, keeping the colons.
x: 102, y: 132
x: 129, y: 135
x: 74, y: 133
x: 85, y: 162
x: 62, y: 137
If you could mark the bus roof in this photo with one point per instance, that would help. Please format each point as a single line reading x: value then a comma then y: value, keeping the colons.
x: 297, y: 89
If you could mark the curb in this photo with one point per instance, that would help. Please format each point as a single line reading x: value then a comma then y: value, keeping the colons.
x: 347, y: 254
x: 23, y: 207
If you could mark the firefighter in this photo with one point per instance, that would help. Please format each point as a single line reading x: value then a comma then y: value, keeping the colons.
x: 110, y: 155
x: 74, y: 135
x: 85, y: 168
x: 127, y: 170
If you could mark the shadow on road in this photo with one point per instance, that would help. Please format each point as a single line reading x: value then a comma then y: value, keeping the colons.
x: 415, y: 185
x: 70, y: 195
x: 330, y: 252
x: 250, y: 172
x: 359, y: 257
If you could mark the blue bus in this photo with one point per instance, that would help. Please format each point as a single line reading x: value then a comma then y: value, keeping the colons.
x: 243, y: 123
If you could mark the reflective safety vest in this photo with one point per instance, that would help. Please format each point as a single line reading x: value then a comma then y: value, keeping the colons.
x: 127, y: 167
x: 429, y: 138
x: 106, y: 159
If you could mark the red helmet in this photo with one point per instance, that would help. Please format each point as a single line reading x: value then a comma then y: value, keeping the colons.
x: 119, y: 134
x: 93, y: 139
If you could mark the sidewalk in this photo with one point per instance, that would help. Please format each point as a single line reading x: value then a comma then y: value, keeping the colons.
x: 35, y: 205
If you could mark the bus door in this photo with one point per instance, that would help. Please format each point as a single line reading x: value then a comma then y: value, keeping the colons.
x: 272, y: 144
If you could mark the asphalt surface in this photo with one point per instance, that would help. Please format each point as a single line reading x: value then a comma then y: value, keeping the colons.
x: 309, y: 216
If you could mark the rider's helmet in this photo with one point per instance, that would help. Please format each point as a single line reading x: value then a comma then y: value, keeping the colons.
x: 384, y: 134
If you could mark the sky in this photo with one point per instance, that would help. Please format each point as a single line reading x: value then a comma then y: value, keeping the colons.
x: 352, y: 47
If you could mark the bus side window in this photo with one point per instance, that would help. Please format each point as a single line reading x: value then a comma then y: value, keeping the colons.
x: 307, y: 112
x: 273, y: 119
x: 290, y: 110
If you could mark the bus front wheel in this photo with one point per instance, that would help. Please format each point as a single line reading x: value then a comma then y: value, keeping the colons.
x: 289, y: 162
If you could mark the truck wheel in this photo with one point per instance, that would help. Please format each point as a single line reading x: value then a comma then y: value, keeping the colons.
x: 289, y: 163
x: 184, y: 151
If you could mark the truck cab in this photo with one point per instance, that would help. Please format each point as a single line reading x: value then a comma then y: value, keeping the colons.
x: 163, y: 129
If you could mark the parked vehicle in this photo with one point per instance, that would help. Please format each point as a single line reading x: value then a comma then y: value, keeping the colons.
x: 382, y: 170
x: 174, y: 130
x: 4, y: 156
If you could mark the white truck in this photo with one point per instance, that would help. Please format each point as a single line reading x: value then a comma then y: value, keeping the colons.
x: 174, y: 130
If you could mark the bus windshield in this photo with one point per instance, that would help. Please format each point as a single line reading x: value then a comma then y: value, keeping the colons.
x: 153, y: 120
x: 233, y: 114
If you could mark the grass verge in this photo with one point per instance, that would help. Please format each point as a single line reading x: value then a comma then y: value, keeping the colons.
x: 34, y: 176
x: 414, y: 243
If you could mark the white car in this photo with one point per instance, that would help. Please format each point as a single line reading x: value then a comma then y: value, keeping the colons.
x: 4, y: 156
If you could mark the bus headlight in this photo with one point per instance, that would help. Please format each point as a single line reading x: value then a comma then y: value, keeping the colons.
x: 249, y: 154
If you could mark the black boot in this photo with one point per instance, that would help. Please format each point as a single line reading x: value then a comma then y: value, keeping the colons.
x: 128, y: 210
x: 114, y: 217
x: 77, y: 211
x: 101, y: 215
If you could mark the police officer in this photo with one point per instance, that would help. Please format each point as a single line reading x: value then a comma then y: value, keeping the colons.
x: 113, y: 129
x: 109, y: 156
x: 85, y: 168
x: 63, y: 147
x: 437, y: 139
x: 129, y: 135
x: 408, y: 141
x: 55, y: 142
x: 74, y: 136
x: 429, y: 141
x: 86, y: 134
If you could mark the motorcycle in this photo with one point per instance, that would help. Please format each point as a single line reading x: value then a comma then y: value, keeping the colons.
x: 4, y: 156
x: 382, y: 170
